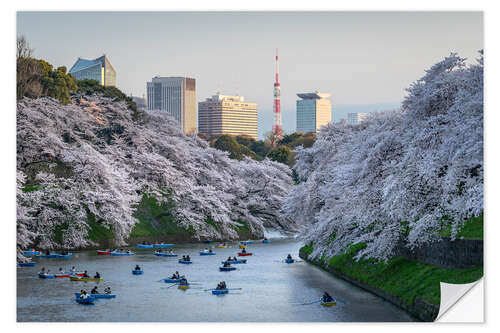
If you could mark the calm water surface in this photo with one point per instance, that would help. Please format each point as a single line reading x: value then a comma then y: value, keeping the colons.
x: 270, y: 291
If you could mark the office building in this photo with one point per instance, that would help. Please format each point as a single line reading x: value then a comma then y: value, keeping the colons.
x: 313, y: 111
x: 356, y: 117
x: 231, y: 115
x: 99, y: 69
x: 177, y: 97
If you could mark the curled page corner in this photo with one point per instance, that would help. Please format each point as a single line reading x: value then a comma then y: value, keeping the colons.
x: 451, y: 294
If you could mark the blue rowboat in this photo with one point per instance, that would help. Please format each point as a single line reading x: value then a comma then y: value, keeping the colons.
x: 89, y: 300
x: 266, y: 241
x: 65, y: 256
x: 172, y: 280
x: 202, y: 253
x: 77, y: 295
x: 163, y: 245
x: 137, y: 272
x: 31, y: 253
x: 289, y: 261
x: 26, y: 264
x: 145, y: 246
x: 227, y: 269
x: 184, y: 262
x: 207, y: 241
x: 122, y: 254
x: 165, y: 254
x: 242, y: 261
x: 45, y: 276
x: 220, y: 291
x: 246, y: 242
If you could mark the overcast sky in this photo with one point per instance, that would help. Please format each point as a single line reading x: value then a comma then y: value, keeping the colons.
x: 364, y: 59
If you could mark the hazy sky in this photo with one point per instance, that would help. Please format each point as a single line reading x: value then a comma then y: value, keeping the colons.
x: 364, y: 59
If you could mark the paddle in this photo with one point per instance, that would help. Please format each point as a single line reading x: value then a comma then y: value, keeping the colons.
x: 222, y: 289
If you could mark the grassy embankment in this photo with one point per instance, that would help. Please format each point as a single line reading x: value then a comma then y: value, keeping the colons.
x: 404, y: 278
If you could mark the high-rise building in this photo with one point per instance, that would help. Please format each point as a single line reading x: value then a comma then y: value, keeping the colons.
x: 313, y: 111
x: 232, y: 115
x: 177, y: 97
x: 356, y: 117
x: 99, y: 69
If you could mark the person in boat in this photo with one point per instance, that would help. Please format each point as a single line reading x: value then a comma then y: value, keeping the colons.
x: 85, y: 275
x: 224, y: 285
x: 327, y: 298
x: 227, y: 264
x: 84, y: 294
x: 188, y: 258
x: 183, y: 281
x: 61, y: 270
x: 137, y: 268
x: 128, y: 251
x: 47, y: 252
x: 243, y: 251
x: 229, y: 258
x: 97, y: 275
x: 64, y: 252
x: 73, y: 270
x: 219, y: 286
x: 94, y: 291
x: 210, y: 250
x: 107, y: 290
x: 159, y: 251
x: 289, y: 256
x: 42, y: 271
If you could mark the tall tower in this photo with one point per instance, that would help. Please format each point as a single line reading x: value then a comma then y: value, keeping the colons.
x: 277, y: 129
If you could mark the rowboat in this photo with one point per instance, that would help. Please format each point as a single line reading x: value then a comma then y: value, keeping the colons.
x: 333, y: 303
x: 240, y: 254
x: 55, y: 255
x: 88, y: 300
x: 266, y: 241
x: 104, y: 252
x: 183, y: 286
x: 222, y: 246
x: 30, y: 253
x: 163, y: 245
x: 74, y: 278
x: 248, y: 242
x: 184, y: 262
x: 227, y: 269
x: 137, y: 272
x: 289, y: 261
x: 145, y: 246
x: 220, y: 291
x: 203, y: 253
x: 122, y: 253
x: 52, y: 255
x: 243, y: 246
x: 160, y: 254
x: 45, y: 276
x: 61, y: 275
x: 242, y: 261
x: 172, y: 280
x: 207, y: 241
x: 26, y: 264
x: 77, y: 295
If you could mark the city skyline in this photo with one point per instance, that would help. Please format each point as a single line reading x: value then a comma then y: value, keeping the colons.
x: 364, y: 59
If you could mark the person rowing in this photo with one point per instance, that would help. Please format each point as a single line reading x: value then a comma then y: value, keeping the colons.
x: 210, y: 250
x: 85, y: 275
x: 97, y: 275
x: 243, y: 251
x: 188, y: 258
x: 289, y: 256
x: 159, y: 251
x: 42, y: 271
x: 72, y: 270
x: 327, y: 298
x: 183, y: 281
x: 94, y: 291
x: 61, y: 270
x: 175, y: 276
x: 83, y: 294
x: 227, y: 264
x: 137, y: 268
x: 107, y: 290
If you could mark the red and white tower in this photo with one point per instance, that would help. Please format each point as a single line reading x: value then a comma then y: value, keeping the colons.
x: 277, y: 129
